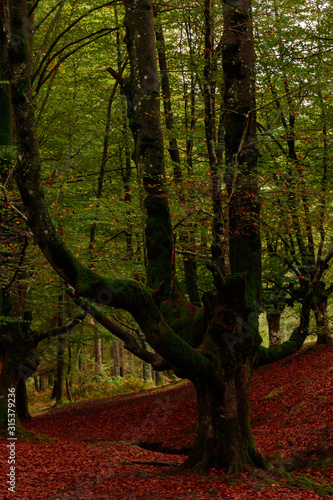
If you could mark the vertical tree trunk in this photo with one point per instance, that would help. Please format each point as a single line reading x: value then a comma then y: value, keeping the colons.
x: 122, y: 363
x: 118, y: 358
x: 189, y: 104
x: 69, y: 368
x: 323, y: 329
x: 44, y: 379
x: 5, y: 112
x: 115, y: 358
x: 224, y: 437
x: 22, y: 400
x: 210, y: 122
x: 60, y: 373
x: 191, y: 279
x: 9, y: 377
x: 60, y: 377
x: 144, y: 120
x: 274, y: 330
x: 146, y: 367
x: 166, y: 93
x: 223, y: 434
x: 146, y: 372
x: 98, y: 348
x: 159, y: 378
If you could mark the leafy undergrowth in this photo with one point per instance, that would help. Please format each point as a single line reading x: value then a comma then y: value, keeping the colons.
x: 95, y: 453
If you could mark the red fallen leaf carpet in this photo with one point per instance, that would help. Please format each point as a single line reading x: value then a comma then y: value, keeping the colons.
x: 95, y: 452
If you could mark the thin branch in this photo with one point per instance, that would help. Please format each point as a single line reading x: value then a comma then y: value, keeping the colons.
x: 42, y: 79
x: 9, y: 203
x: 49, y: 51
x: 60, y: 330
x: 19, y: 264
x: 47, y: 15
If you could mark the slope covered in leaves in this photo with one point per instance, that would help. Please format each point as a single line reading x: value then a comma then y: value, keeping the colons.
x: 94, y: 451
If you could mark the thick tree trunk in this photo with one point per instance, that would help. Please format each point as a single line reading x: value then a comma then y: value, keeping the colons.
x: 122, y: 364
x: 143, y: 101
x: 17, y: 354
x: 223, y: 435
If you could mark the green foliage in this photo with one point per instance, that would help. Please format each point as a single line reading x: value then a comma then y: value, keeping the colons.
x: 93, y: 386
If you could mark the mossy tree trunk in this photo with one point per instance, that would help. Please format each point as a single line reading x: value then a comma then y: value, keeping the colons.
x: 223, y: 434
x: 143, y: 103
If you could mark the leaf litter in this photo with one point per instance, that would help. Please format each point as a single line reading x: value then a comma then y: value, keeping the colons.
x: 123, y: 447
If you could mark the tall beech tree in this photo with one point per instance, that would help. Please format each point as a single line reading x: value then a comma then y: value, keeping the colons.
x: 217, y: 346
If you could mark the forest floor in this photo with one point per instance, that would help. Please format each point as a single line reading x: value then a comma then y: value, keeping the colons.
x: 94, y: 448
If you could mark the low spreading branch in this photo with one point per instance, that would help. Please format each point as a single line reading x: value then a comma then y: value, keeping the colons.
x: 130, y: 342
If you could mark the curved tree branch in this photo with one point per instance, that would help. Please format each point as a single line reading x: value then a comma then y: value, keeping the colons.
x: 97, y: 34
x: 130, y: 342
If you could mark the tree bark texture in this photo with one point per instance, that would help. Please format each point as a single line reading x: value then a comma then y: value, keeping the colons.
x: 223, y: 434
x: 143, y: 103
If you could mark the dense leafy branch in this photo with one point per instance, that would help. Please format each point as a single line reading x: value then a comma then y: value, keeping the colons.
x: 93, y: 37
x: 46, y: 59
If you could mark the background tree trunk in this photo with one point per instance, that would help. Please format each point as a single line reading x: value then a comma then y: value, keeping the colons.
x: 98, y: 349
x: 274, y: 331
x: 22, y: 400
x: 60, y: 373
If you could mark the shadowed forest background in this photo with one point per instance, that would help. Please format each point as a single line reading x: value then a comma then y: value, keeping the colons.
x: 173, y: 164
